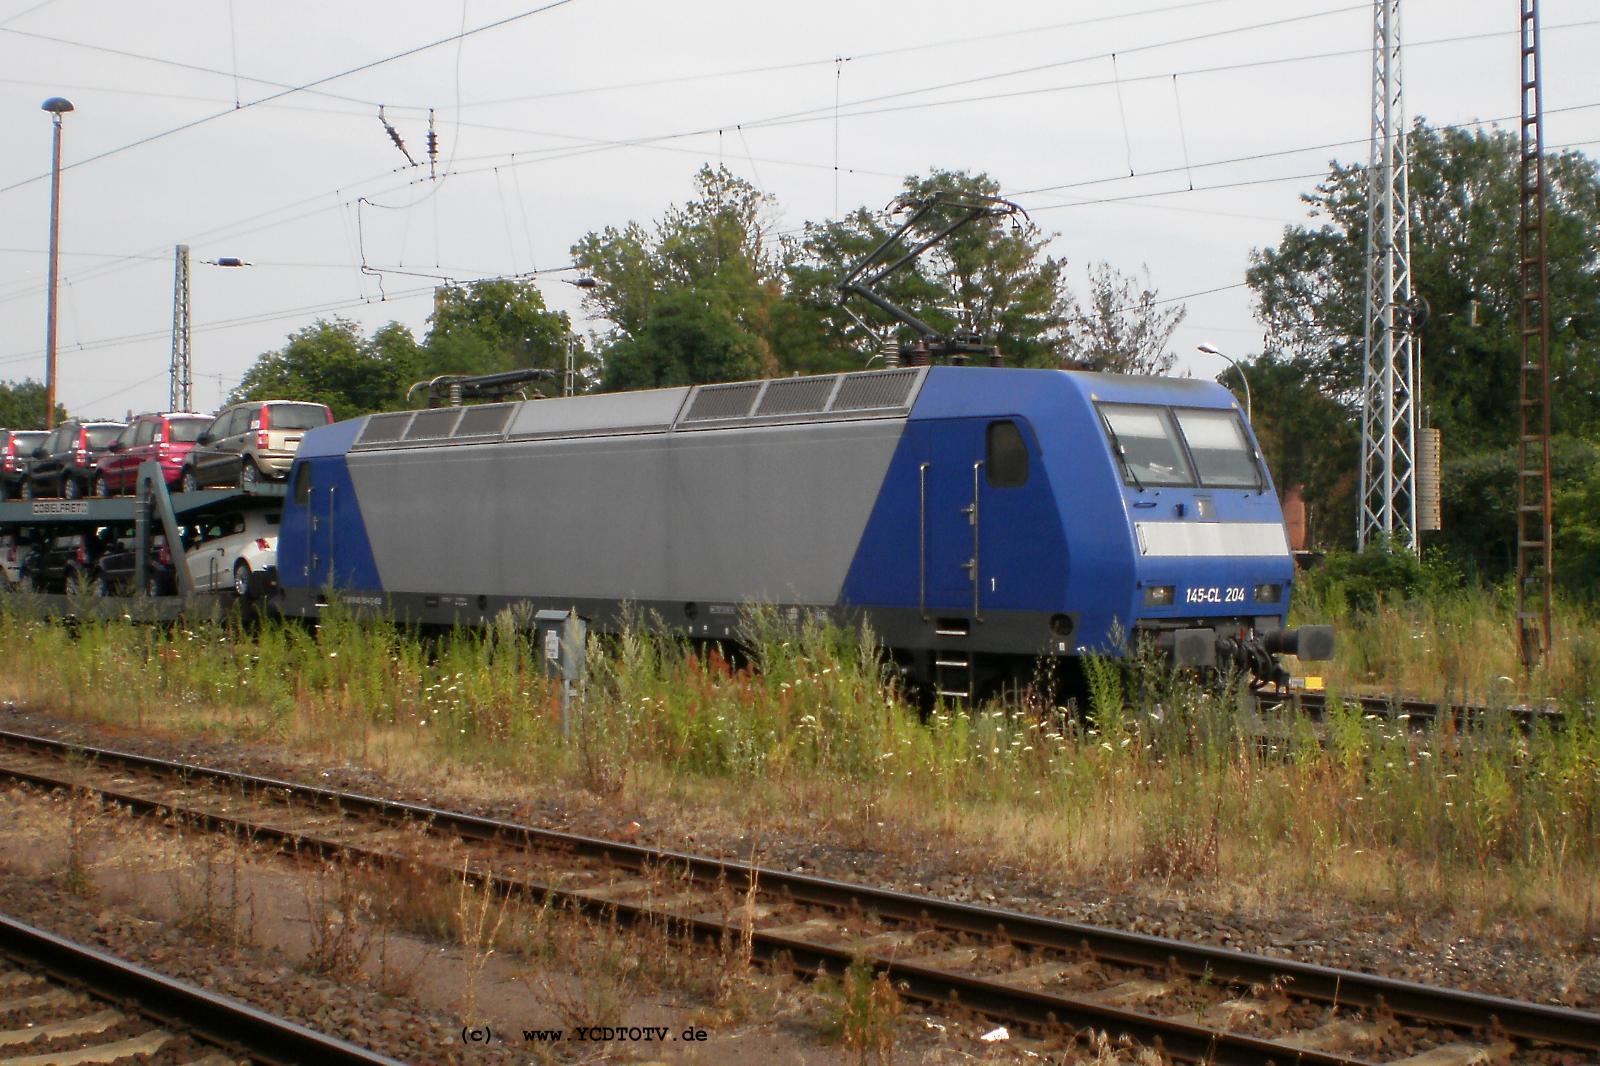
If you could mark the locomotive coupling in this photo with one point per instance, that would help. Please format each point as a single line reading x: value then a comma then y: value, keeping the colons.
x: 1203, y: 647
x: 1308, y: 642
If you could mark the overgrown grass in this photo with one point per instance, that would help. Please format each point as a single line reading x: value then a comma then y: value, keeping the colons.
x: 1455, y: 643
x: 1159, y: 780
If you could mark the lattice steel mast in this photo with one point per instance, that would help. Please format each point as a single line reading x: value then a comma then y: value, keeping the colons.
x: 180, y: 392
x: 1535, y: 567
x: 1388, y: 413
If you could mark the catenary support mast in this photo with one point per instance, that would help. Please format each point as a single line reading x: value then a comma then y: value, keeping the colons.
x: 1388, y: 413
x: 180, y: 393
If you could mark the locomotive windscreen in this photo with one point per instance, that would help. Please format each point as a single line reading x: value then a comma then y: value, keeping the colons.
x: 1150, y: 452
x: 1220, y: 448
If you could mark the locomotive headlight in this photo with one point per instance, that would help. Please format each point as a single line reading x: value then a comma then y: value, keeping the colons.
x: 1268, y: 593
x: 1159, y: 595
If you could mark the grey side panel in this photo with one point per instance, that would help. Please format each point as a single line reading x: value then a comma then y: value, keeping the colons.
x: 613, y: 412
x: 772, y: 514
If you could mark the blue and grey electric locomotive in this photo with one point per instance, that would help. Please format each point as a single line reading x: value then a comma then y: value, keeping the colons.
x: 976, y: 518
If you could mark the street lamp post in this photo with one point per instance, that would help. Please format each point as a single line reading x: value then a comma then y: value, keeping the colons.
x: 1211, y: 349
x: 57, y: 106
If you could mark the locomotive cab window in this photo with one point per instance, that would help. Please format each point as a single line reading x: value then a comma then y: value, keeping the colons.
x: 302, y: 484
x: 1146, y: 445
x: 1221, y: 449
x: 1007, y: 456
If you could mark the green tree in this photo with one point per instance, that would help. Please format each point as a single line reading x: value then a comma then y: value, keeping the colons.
x: 331, y: 363
x: 1310, y: 290
x: 1577, y: 543
x: 685, y: 340
x: 1124, y: 328
x: 1480, y: 500
x: 1308, y: 439
x: 991, y: 277
x: 704, y: 268
x: 22, y: 405
x: 491, y: 326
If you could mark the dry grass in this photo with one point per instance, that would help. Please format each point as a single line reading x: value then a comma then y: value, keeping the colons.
x: 1163, y: 782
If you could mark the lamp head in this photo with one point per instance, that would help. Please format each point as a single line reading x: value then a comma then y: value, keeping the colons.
x: 56, y: 105
x: 1208, y: 348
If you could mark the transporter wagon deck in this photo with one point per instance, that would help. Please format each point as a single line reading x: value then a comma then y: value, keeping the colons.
x: 977, y: 518
x: 152, y: 512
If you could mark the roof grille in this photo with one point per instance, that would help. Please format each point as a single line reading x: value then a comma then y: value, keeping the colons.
x: 433, y: 425
x: 875, y: 389
x: 384, y: 429
x: 486, y: 421
x: 713, y: 402
x: 793, y: 396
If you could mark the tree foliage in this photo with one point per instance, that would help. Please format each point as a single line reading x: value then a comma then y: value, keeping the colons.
x: 1124, y: 328
x: 1310, y: 293
x: 991, y: 277
x: 491, y: 326
x: 1310, y: 288
x: 1308, y: 439
x: 22, y: 405
x: 484, y: 328
x: 705, y: 270
x: 331, y: 363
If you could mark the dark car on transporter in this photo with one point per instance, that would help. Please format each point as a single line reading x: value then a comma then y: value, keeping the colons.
x: 65, y: 562
x: 115, y: 572
x: 64, y: 463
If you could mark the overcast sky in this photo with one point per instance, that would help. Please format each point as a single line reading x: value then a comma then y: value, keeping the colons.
x: 595, y: 112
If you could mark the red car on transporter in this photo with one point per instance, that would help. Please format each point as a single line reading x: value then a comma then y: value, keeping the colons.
x: 166, y: 438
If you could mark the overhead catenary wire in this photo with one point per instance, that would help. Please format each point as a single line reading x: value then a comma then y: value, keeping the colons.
x: 411, y: 293
x: 1122, y: 112
x: 938, y: 103
x: 1183, y: 136
x: 549, y: 5
x: 234, y: 230
x: 294, y: 312
x: 537, y: 155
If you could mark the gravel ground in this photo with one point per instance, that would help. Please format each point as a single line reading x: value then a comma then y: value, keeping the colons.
x: 1436, y: 948
x: 352, y: 1012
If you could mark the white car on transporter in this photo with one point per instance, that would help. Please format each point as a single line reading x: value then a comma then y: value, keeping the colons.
x: 238, y: 551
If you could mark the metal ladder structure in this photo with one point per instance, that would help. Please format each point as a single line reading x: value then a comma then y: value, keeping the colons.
x: 952, y: 659
x: 1388, y: 508
x: 1535, y: 564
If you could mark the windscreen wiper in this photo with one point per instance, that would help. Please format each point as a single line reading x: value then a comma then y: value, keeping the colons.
x: 1122, y: 453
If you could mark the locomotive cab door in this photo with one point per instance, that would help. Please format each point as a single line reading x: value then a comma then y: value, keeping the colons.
x: 316, y: 496
x: 979, y: 504
x: 952, y: 539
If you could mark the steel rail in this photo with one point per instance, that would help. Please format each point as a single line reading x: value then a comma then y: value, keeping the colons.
x: 171, y: 1004
x: 938, y: 988
x: 1461, y: 715
x: 1330, y: 985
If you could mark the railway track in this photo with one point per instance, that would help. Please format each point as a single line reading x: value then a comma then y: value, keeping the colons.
x: 66, y: 1004
x: 1195, y: 1002
x: 1419, y: 713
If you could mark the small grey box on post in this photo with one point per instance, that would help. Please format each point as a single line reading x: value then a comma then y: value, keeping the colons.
x: 562, y: 637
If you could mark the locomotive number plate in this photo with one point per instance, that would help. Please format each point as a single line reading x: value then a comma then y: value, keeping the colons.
x: 1214, y: 594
